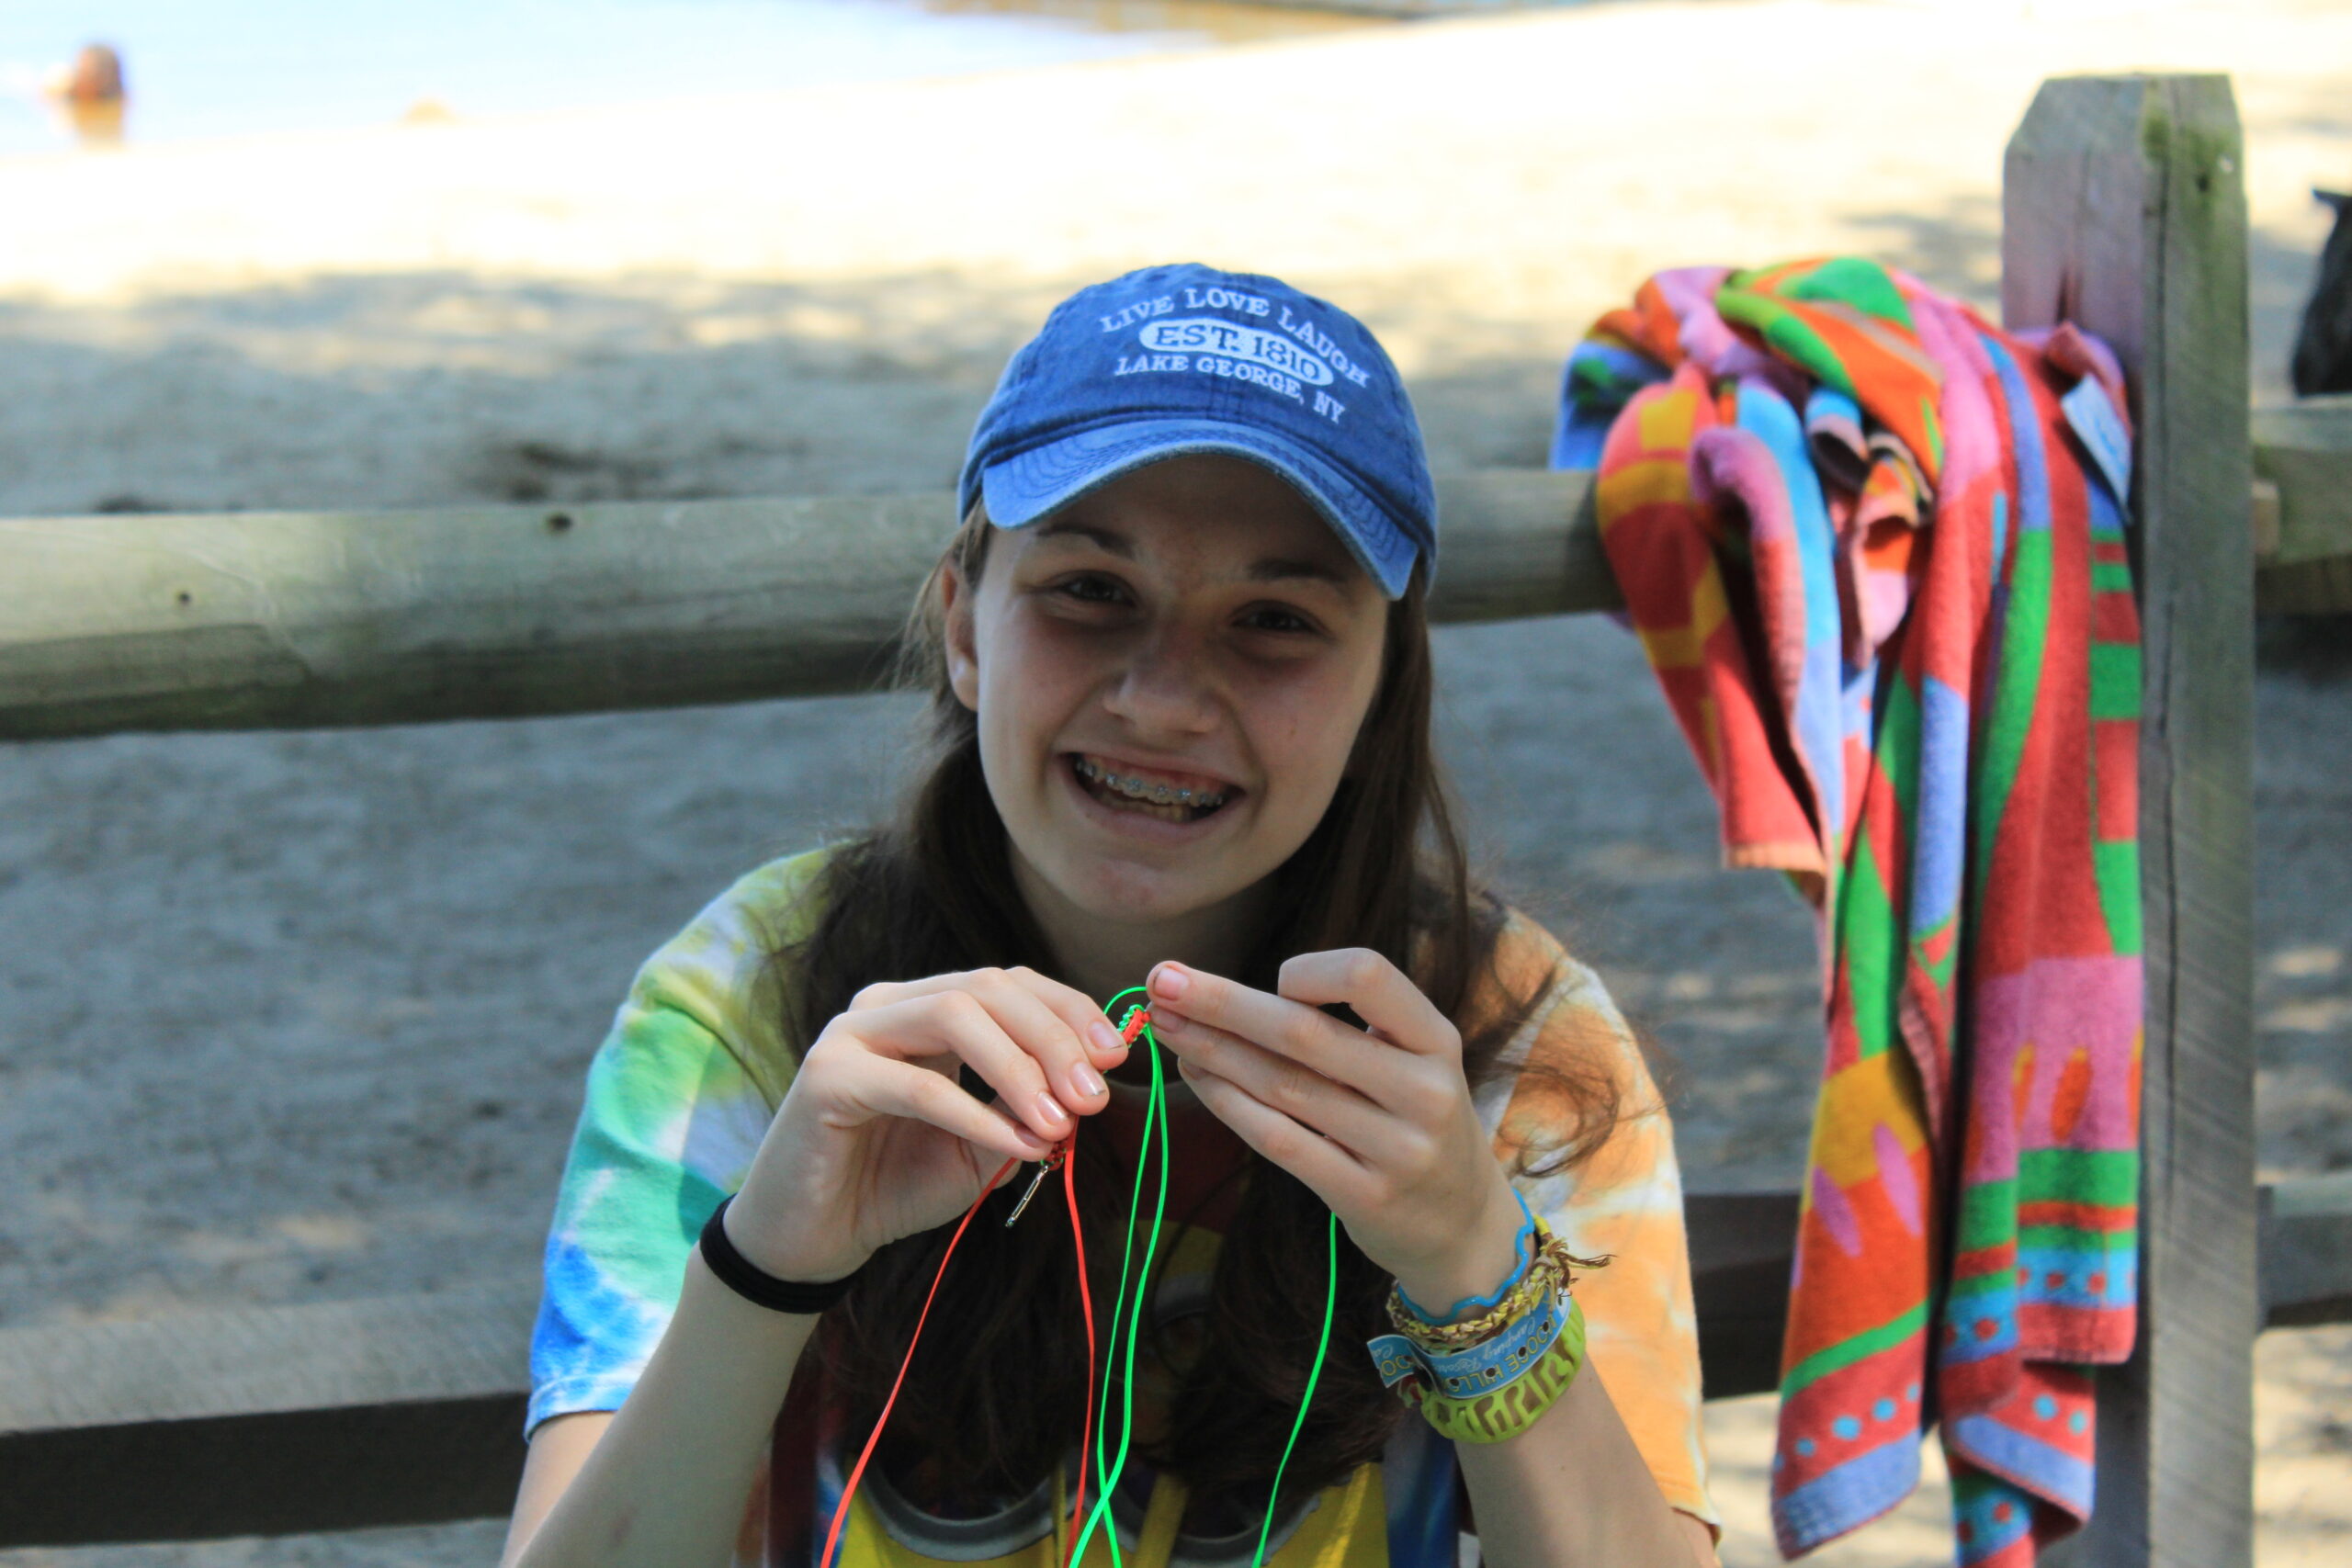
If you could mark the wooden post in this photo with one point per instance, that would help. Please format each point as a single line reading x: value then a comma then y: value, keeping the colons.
x: 2124, y: 210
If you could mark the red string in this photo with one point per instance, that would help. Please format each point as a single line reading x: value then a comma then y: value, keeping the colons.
x: 1086, y: 1304
x: 1085, y: 1296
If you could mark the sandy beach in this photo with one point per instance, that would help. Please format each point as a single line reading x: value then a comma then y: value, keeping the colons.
x: 302, y: 1017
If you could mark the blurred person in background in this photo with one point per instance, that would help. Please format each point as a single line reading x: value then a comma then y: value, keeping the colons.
x: 88, y: 96
x: 2324, y: 347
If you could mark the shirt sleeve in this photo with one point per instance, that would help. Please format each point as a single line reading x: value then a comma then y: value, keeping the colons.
x: 1624, y: 1201
x: 679, y: 1096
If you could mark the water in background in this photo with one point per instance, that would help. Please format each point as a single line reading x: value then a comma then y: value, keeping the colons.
x: 204, y: 68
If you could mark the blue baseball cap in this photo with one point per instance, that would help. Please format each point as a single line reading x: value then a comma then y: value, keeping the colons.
x: 1185, y: 358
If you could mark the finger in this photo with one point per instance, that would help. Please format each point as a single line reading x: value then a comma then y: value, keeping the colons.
x: 1336, y: 1176
x: 953, y: 1022
x: 883, y: 1086
x: 1382, y: 994
x: 1292, y: 1029
x: 1297, y: 1092
x: 1058, y: 1023
x: 1078, y: 1010
x: 1021, y: 1008
x: 1099, y: 1045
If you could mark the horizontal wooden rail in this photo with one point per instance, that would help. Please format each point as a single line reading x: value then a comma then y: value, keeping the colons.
x: 304, y: 620
x: 409, y: 1409
x: 2303, y: 516
x: 314, y: 620
x: 264, y: 1421
x: 2306, y: 1251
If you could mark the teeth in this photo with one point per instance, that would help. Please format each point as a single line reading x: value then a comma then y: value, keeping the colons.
x: 1140, y: 789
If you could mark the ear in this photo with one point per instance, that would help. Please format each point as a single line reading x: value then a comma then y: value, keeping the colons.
x: 956, y: 595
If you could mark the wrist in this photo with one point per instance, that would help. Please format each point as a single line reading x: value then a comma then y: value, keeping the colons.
x: 795, y: 1270
x: 1490, y: 1254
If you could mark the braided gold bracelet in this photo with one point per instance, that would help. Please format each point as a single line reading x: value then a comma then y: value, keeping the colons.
x: 1547, y: 1272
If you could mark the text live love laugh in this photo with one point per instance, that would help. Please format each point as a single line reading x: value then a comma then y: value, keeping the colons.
x: 1287, y: 358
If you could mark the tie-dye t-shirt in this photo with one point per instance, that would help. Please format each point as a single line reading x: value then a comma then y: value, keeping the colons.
x: 681, y: 1091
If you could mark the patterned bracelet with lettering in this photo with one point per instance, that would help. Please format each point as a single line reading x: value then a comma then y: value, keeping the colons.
x: 1481, y: 1369
x: 1496, y: 1390
x: 1519, y: 1404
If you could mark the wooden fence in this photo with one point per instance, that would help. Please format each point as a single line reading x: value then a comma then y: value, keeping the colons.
x: 311, y: 620
x: 2124, y: 210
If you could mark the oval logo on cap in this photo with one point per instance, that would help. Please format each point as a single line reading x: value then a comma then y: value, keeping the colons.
x: 1208, y: 334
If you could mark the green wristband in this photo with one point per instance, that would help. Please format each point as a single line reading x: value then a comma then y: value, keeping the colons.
x: 1507, y: 1412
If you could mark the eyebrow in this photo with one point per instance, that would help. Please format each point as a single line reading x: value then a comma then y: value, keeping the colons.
x: 1274, y: 568
x: 1109, y: 543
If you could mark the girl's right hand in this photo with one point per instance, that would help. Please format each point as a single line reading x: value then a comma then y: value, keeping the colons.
x: 877, y: 1140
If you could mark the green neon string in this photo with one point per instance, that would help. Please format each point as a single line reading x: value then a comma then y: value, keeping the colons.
x: 1119, y: 1313
x: 1314, y: 1376
x: 1107, y: 1474
x: 1106, y: 1471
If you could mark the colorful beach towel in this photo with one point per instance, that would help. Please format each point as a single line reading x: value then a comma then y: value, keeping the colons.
x: 1873, y: 547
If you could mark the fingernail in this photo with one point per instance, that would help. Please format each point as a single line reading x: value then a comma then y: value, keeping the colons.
x: 1102, y: 1037
x: 1051, y: 1108
x: 1168, y: 981
x: 1086, y: 1081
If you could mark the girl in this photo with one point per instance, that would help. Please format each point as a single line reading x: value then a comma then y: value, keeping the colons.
x: 1180, y: 665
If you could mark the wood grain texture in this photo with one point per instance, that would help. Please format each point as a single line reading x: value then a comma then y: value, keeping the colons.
x: 2306, y: 588
x: 1742, y: 1246
x: 2305, y: 448
x: 2124, y: 210
x: 387, y: 1350
x: 282, y: 1472
x: 2303, y: 451
x: 307, y: 620
x: 2307, y: 1252
x: 266, y: 1421
x: 409, y: 1410
x: 312, y: 620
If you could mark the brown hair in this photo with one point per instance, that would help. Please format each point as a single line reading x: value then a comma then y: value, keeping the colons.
x: 994, y: 1396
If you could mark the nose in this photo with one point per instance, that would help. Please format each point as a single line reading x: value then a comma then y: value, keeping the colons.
x: 1164, y: 686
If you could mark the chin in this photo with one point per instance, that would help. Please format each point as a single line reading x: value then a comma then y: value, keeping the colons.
x: 1125, y: 892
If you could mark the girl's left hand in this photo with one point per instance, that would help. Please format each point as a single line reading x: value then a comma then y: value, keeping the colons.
x: 1378, y: 1122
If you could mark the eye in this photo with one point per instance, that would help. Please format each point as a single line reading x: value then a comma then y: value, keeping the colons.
x: 1092, y: 588
x: 1276, y: 618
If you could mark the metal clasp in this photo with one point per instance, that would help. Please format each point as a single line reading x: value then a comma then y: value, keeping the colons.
x: 1046, y: 1166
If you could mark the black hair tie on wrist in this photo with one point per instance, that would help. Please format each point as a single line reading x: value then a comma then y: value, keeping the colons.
x: 747, y: 1280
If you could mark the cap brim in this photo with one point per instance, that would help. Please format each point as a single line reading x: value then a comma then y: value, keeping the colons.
x: 1021, y: 489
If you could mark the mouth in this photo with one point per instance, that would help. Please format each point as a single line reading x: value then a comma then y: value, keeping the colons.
x: 1166, y: 798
